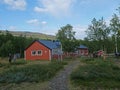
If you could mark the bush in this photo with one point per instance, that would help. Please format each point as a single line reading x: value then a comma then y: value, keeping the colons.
x: 13, y: 64
x: 20, y: 62
x: 1, y: 65
x: 31, y: 73
x: 98, y: 61
x: 97, y: 74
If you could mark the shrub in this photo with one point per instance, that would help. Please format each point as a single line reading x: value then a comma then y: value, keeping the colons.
x: 21, y: 62
x: 31, y: 73
x: 97, y: 74
x: 1, y: 65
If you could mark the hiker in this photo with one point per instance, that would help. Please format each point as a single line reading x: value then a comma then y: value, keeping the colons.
x: 10, y: 57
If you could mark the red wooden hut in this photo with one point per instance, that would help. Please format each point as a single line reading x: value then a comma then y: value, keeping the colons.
x: 43, y: 50
x: 82, y: 50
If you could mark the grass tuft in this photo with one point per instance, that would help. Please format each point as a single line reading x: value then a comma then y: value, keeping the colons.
x: 97, y: 73
x: 31, y: 73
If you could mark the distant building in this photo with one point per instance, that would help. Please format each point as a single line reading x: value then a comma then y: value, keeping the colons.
x: 43, y: 50
x: 82, y: 50
x: 99, y: 53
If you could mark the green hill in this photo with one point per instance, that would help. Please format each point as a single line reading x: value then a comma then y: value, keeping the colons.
x: 31, y: 34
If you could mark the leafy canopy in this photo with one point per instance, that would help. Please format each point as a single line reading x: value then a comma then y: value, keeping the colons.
x: 67, y: 37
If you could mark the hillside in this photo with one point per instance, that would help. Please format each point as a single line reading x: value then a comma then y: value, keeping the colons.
x: 31, y: 34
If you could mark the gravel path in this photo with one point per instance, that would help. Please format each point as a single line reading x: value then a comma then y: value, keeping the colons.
x: 60, y: 82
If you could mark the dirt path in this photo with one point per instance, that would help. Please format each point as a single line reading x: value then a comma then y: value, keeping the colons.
x: 60, y: 82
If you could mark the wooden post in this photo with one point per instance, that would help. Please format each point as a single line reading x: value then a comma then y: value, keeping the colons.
x: 104, y: 55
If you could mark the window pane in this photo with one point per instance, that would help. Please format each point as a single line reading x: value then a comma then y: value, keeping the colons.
x: 39, y: 52
x: 33, y: 52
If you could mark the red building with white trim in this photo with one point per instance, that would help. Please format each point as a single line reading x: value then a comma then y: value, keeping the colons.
x: 43, y: 50
x: 82, y: 50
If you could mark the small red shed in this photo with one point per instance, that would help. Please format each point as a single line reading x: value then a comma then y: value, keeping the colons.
x: 100, y: 53
x: 82, y: 50
x: 42, y: 50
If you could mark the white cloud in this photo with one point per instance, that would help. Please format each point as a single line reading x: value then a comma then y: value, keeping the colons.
x: 55, y: 7
x: 80, y: 31
x: 49, y: 32
x: 12, y: 28
x: 36, y: 22
x: 37, y: 9
x: 16, y: 4
x: 86, y: 2
x: 33, y: 22
x: 43, y: 22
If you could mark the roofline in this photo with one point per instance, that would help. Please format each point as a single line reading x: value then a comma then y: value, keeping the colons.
x: 30, y: 45
x: 83, y: 47
x: 43, y: 44
x: 38, y: 42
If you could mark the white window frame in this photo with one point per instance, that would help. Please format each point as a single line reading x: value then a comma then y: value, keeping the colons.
x: 32, y: 52
x: 40, y: 53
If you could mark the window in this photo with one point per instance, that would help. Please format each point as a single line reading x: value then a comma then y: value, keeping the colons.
x: 33, y: 53
x: 39, y: 52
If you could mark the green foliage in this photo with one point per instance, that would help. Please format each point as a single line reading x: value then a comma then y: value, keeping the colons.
x: 21, y: 62
x: 67, y: 37
x: 115, y: 24
x: 6, y: 48
x: 13, y: 44
x: 115, y: 28
x: 31, y: 73
x: 93, y: 45
x: 98, y: 30
x: 98, y: 33
x: 97, y: 73
x: 103, y: 36
x: 13, y: 64
x: 66, y: 32
x: 70, y: 45
x: 1, y: 65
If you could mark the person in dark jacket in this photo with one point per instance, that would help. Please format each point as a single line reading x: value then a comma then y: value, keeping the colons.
x: 10, y: 58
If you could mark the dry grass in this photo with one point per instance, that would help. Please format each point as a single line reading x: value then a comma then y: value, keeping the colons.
x: 30, y: 62
x: 26, y: 86
x: 5, y: 61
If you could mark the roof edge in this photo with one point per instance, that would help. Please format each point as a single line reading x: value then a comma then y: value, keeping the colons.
x: 38, y: 42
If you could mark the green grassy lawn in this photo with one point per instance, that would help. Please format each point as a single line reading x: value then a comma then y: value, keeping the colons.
x: 96, y: 74
x: 27, y: 72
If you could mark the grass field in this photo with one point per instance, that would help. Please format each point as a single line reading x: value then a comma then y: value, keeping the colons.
x: 96, y: 74
x: 21, y: 73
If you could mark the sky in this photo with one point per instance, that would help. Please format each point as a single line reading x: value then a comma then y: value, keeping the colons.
x: 48, y: 16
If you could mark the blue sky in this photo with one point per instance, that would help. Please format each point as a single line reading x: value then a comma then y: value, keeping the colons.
x: 47, y: 16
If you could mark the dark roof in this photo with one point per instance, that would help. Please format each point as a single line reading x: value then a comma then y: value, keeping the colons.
x: 50, y: 44
x: 83, y: 47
